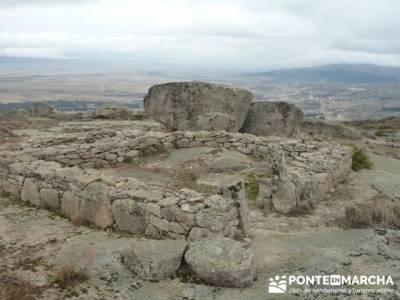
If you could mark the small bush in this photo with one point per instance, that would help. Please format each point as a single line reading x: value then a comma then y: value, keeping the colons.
x: 360, y: 216
x: 185, y: 276
x: 251, y: 187
x: 360, y: 160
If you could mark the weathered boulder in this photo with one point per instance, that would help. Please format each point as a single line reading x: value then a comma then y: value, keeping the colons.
x: 129, y: 215
x: 198, y: 106
x: 50, y: 198
x: 40, y: 110
x: 284, y: 200
x: 70, y: 205
x: 96, y: 255
x: 221, y: 261
x: 116, y: 112
x: 97, y: 207
x: 154, y: 260
x: 324, y: 130
x: 30, y: 192
x: 272, y: 118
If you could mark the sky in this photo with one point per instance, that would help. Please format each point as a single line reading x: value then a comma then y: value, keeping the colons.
x: 236, y: 34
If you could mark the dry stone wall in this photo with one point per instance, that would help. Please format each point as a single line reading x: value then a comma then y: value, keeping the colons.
x: 60, y: 173
x: 127, y: 203
x: 110, y: 148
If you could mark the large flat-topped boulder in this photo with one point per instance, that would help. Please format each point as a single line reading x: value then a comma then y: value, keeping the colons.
x: 198, y: 106
x: 272, y: 118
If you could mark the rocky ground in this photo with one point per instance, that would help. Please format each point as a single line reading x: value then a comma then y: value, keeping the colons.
x: 156, y: 213
x: 36, y: 243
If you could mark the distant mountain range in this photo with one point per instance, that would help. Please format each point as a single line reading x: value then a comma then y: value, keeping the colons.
x: 338, y: 73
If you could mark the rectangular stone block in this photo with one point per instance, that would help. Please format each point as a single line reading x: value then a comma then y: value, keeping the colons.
x: 50, y: 197
x: 159, y: 223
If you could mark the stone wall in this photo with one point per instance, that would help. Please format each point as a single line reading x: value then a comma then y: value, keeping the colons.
x: 98, y: 150
x: 127, y: 204
x: 60, y: 173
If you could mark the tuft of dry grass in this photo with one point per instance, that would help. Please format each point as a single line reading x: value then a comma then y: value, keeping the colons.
x: 68, y: 276
x: 381, y: 212
x: 15, y: 288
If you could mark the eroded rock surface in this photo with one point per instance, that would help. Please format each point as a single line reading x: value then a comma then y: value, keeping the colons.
x: 154, y: 260
x: 198, y: 106
x: 272, y: 118
x: 116, y: 112
x: 324, y: 130
x: 221, y: 262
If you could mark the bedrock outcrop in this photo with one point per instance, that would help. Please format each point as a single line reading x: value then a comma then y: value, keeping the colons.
x: 222, y: 262
x: 272, y: 118
x: 197, y: 106
x: 325, y: 129
x: 109, y: 111
x: 154, y: 260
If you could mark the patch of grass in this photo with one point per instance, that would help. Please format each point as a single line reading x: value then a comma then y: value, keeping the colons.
x: 10, y: 199
x: 382, y: 213
x: 6, y: 195
x: 131, y: 160
x: 185, y: 276
x: 360, y: 160
x: 251, y: 187
x: 51, y: 279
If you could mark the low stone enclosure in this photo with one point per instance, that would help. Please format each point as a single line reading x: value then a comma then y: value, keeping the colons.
x: 75, y: 170
x: 179, y: 177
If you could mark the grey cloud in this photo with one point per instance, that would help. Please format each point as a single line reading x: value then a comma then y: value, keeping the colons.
x: 253, y: 33
x: 42, y: 2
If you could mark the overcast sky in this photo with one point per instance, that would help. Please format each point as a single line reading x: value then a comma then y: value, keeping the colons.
x: 246, y: 34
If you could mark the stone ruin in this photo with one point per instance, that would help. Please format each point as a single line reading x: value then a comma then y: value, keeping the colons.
x: 90, y: 170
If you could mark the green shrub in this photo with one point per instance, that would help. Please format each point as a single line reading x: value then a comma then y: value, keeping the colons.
x: 360, y: 160
x: 251, y: 187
